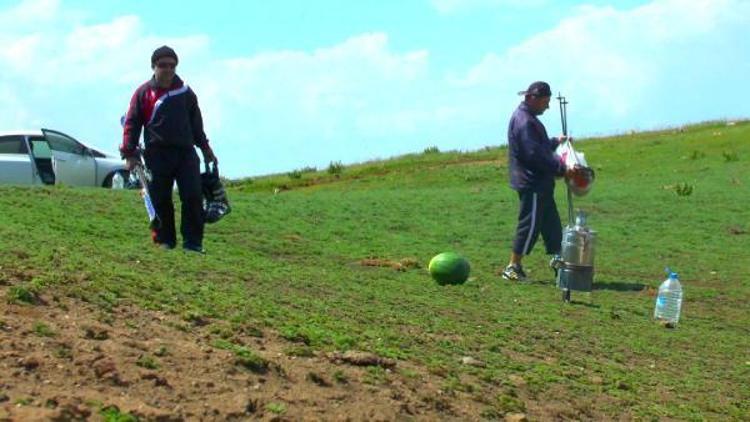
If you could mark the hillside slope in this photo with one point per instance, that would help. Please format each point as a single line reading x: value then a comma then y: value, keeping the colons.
x: 306, y: 268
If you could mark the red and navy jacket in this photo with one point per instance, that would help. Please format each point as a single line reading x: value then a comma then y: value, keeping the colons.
x: 171, y: 118
x: 532, y: 162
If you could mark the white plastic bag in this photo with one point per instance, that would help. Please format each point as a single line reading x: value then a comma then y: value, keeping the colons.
x: 570, y: 156
x: 581, y: 182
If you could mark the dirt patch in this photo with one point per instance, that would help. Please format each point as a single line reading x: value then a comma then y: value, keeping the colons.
x: 362, y: 359
x: 649, y: 291
x: 14, y: 275
x: 736, y: 230
x: 67, y: 360
x: 404, y: 264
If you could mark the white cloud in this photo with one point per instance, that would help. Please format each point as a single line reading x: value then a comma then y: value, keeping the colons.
x: 78, y: 77
x: 19, y: 53
x: 615, y: 60
x: 30, y: 11
x: 13, y: 109
x: 361, y: 98
x: 325, y: 89
x: 57, y: 72
x: 341, y: 75
x: 39, y: 37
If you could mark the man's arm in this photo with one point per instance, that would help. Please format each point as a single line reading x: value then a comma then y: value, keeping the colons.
x: 132, y: 128
x: 196, y: 121
x: 535, y: 151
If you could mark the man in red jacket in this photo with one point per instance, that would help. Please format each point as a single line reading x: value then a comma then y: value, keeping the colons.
x: 167, y: 109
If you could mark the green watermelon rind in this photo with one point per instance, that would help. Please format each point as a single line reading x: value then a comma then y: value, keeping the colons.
x: 449, y: 268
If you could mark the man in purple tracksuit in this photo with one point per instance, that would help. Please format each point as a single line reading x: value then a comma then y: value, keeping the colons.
x: 533, y: 169
x: 167, y: 109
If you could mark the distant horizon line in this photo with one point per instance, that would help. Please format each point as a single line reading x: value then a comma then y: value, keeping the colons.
x: 726, y: 121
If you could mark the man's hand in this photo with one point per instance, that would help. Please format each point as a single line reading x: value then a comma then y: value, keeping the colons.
x: 208, y: 155
x: 131, y: 162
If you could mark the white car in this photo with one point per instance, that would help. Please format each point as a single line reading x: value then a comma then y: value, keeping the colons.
x: 50, y: 157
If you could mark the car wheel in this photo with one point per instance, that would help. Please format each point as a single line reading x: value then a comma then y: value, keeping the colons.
x: 116, y: 180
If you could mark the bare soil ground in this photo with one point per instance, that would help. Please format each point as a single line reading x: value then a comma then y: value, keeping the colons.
x: 64, y: 359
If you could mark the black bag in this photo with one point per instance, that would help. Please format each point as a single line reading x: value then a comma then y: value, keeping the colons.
x: 215, y: 202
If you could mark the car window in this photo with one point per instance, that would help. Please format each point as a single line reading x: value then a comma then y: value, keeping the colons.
x: 63, y: 143
x: 12, y: 145
x: 40, y: 148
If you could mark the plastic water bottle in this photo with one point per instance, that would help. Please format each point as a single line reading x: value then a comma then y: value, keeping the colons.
x: 669, y: 300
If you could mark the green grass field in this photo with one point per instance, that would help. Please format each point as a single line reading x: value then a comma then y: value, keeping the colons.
x: 292, y: 262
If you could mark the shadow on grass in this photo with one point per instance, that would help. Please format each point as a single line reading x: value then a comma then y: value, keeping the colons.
x: 620, y: 286
x: 586, y: 303
x: 541, y: 282
x: 581, y: 303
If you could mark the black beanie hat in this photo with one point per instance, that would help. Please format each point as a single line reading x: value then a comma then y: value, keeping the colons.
x: 163, y: 51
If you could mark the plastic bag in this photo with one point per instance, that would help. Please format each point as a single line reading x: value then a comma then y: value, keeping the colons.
x: 580, y: 184
x: 570, y: 157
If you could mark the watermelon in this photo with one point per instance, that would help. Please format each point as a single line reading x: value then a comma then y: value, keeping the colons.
x: 449, y: 268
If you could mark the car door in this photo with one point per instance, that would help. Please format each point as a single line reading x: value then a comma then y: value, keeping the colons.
x: 72, y: 162
x: 15, y: 162
x: 42, y: 156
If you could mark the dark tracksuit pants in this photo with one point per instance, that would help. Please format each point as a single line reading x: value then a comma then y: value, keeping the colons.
x: 538, y: 214
x: 167, y: 165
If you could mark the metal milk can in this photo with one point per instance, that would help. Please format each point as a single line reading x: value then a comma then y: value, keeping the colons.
x: 576, y: 272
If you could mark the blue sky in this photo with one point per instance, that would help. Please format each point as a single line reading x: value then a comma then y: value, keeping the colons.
x: 289, y: 84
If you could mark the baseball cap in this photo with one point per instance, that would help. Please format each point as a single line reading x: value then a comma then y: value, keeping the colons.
x: 538, y: 89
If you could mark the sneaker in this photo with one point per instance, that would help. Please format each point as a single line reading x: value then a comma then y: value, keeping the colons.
x: 165, y: 246
x: 514, y: 272
x: 193, y: 249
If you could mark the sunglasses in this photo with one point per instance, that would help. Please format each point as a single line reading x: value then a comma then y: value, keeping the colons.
x: 166, y: 65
